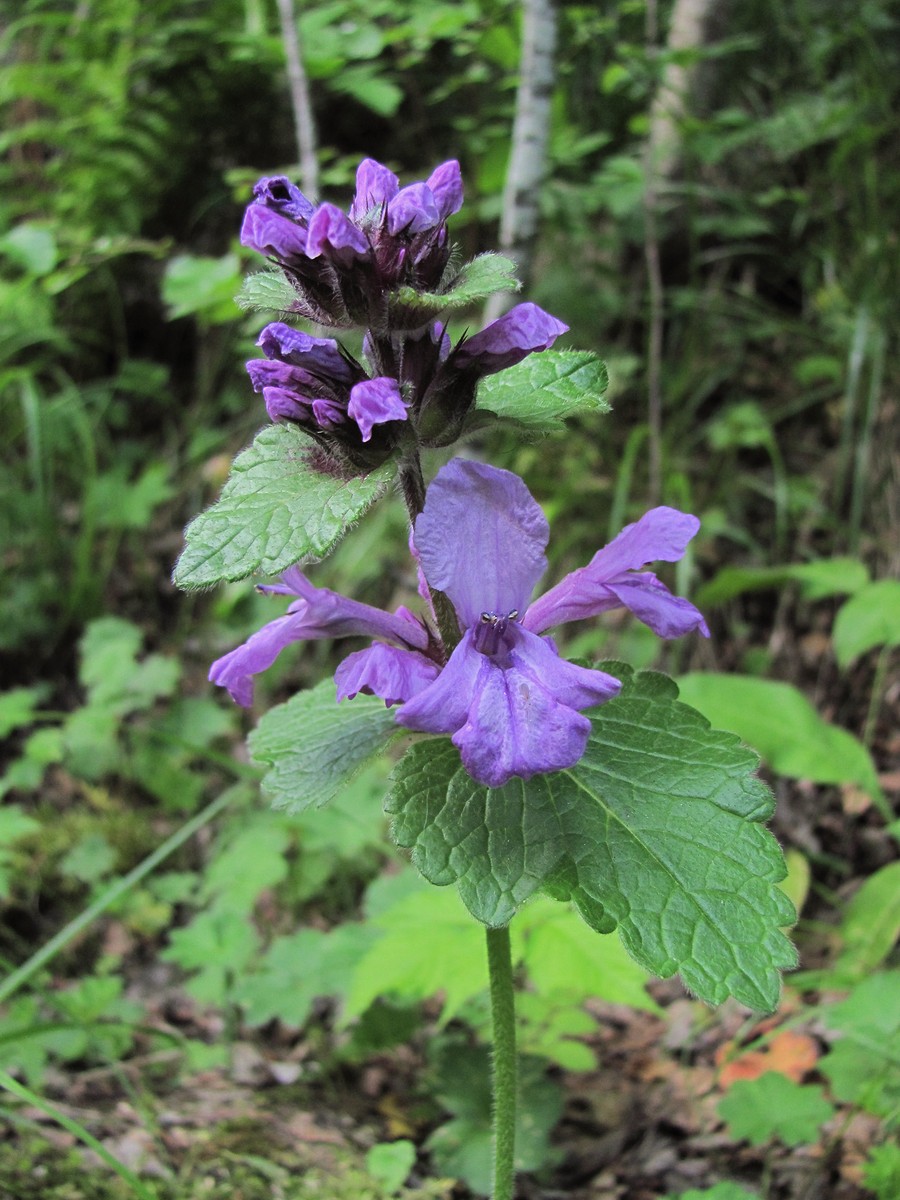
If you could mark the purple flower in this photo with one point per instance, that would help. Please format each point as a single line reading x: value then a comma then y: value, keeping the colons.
x: 316, y: 613
x: 343, y: 265
x: 311, y: 382
x: 512, y: 706
x: 449, y: 396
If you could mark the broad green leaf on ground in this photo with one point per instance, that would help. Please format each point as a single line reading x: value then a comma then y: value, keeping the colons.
x: 871, y: 925
x: 725, y: 1190
x: 656, y: 830
x: 863, y: 1065
x: 775, y: 1106
x: 427, y: 944
x: 542, y: 391
x: 268, y: 290
x: 783, y: 728
x: 564, y: 955
x: 274, y: 511
x: 870, y: 618
x: 824, y: 577
x: 298, y: 969
x: 14, y: 825
x: 314, y: 746
x: 476, y: 280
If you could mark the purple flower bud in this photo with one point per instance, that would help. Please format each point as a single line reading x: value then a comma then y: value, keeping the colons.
x: 413, y: 210
x: 285, y: 405
x: 281, y: 196
x: 446, y: 186
x: 374, y: 402
x: 375, y: 186
x: 333, y: 234
x: 272, y: 234
x: 505, y: 342
x: 319, y: 356
x: 329, y: 414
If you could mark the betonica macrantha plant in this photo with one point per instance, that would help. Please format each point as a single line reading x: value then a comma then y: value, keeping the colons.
x: 521, y: 771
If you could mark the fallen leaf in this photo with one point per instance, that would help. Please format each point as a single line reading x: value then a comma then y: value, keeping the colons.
x: 791, y: 1054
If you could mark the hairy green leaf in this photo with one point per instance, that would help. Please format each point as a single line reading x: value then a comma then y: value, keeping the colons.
x: 274, y: 511
x: 268, y: 290
x: 476, y: 280
x: 656, y: 830
x: 314, y: 746
x: 543, y: 390
x: 775, y: 1106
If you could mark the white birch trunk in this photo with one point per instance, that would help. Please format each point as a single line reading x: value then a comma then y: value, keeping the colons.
x: 298, y: 85
x: 528, y: 152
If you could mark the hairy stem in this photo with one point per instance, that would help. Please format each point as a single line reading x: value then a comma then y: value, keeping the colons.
x: 503, y: 1015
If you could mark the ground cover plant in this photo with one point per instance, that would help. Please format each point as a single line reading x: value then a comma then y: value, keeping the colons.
x: 205, y: 995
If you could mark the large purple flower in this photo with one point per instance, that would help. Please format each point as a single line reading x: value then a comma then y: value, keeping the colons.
x: 343, y: 265
x: 511, y: 703
x: 512, y: 706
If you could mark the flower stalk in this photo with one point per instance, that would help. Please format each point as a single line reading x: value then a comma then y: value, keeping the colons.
x: 503, y: 1016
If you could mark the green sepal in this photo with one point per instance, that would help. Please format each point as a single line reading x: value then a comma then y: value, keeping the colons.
x: 542, y: 390
x: 275, y: 510
x: 656, y: 830
x: 314, y: 746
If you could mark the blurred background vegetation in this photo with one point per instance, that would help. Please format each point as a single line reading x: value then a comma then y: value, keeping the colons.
x: 742, y: 287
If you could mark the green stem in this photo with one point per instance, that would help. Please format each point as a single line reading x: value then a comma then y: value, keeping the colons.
x: 412, y: 482
x: 503, y: 1014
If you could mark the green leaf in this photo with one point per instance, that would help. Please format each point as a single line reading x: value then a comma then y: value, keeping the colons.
x: 476, y: 280
x: 314, y: 746
x: 545, y: 388
x: 390, y: 1163
x: 202, y: 287
x: 428, y: 944
x: 783, y: 727
x: 268, y: 290
x: 817, y: 580
x: 726, y: 1190
x: 298, y: 969
x: 871, y: 925
x: 274, y: 511
x: 18, y: 707
x: 564, y: 955
x: 863, y: 1067
x: 655, y: 830
x: 463, y: 1147
x: 870, y: 618
x: 775, y: 1106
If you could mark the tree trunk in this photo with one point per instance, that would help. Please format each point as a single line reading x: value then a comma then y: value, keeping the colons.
x: 528, y: 152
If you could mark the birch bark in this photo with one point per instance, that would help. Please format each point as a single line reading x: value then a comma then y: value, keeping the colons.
x: 301, y: 104
x: 528, y: 152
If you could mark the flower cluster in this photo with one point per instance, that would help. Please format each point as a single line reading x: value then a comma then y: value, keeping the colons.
x: 511, y: 704
x: 345, y: 266
x: 349, y: 269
